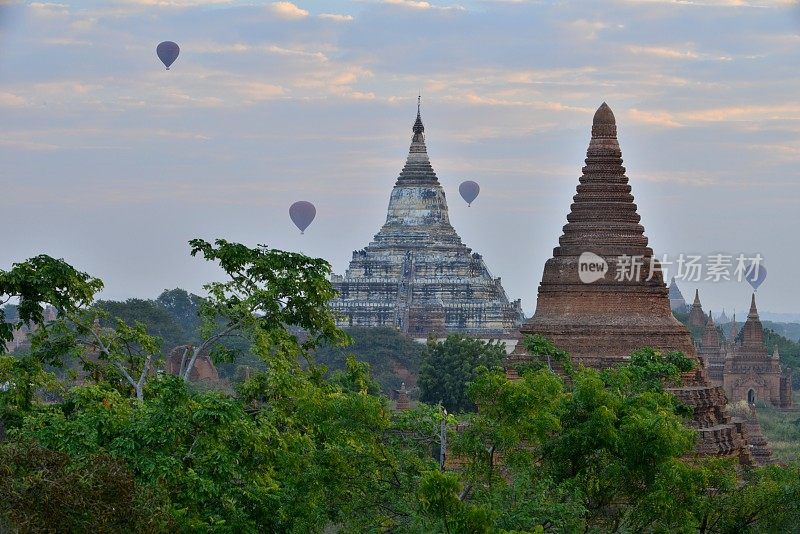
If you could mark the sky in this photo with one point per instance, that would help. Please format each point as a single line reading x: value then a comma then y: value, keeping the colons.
x: 113, y: 163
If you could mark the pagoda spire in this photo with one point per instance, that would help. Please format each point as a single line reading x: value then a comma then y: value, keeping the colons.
x: 419, y: 128
x: 753, y: 310
x: 753, y: 331
x: 696, y: 298
x: 418, y: 169
x: 733, y: 327
x: 710, y: 335
x: 603, y: 216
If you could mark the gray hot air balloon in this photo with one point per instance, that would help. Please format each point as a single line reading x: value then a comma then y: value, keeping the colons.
x: 302, y: 214
x: 469, y: 191
x: 755, y: 275
x: 168, y: 52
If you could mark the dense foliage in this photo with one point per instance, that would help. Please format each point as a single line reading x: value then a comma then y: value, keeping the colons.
x: 393, y: 358
x: 449, y: 366
x: 157, y: 318
x: 297, y: 451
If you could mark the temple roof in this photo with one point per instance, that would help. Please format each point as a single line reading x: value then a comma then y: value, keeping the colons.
x: 753, y: 330
x: 710, y: 334
x: 734, y: 328
x: 697, y: 316
x: 418, y: 169
x: 674, y: 290
x: 417, y: 215
x: 753, y: 310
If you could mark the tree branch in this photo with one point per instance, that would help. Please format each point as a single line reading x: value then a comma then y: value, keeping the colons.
x: 207, y: 343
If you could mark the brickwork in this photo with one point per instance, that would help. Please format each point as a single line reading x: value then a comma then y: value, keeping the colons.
x: 751, y: 373
x: 203, y: 369
x: 602, y: 322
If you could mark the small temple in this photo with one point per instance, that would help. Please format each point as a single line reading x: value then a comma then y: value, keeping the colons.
x: 742, y: 365
x: 601, y: 321
x: 416, y: 275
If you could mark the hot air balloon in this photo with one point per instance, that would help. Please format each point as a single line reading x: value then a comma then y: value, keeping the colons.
x: 755, y: 275
x: 168, y: 52
x: 302, y: 214
x: 469, y: 191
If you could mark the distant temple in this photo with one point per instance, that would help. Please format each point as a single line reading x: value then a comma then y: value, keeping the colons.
x: 601, y: 320
x: 20, y: 337
x: 697, y: 316
x: 744, y: 368
x: 416, y: 274
x: 676, y: 300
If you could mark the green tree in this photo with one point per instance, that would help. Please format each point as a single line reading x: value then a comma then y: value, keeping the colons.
x: 448, y: 366
x: 41, y: 490
x: 392, y: 356
x: 266, y: 290
x: 603, y: 451
x: 157, y: 319
x: 40, y: 281
x: 184, y: 307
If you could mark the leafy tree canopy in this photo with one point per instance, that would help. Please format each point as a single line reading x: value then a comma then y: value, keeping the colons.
x: 450, y: 365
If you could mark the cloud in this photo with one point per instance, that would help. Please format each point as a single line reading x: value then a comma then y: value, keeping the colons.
x: 676, y: 53
x: 177, y: 3
x: 201, y: 47
x: 336, y: 17
x: 745, y: 113
x: 658, y: 118
x: 260, y: 90
x: 663, y: 51
x: 49, y: 9
x: 288, y: 10
x: 66, y: 41
x: 588, y: 29
x: 11, y: 100
x: 721, y: 3
x: 421, y: 4
x: 776, y: 112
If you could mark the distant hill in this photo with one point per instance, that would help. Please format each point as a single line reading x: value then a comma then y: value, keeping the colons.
x: 787, y: 330
x: 779, y: 317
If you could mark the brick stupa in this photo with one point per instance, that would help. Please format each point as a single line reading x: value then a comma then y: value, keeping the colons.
x: 601, y: 322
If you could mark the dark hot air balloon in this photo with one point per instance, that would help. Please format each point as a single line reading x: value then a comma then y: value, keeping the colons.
x: 755, y: 275
x: 168, y: 52
x: 469, y: 191
x: 302, y: 214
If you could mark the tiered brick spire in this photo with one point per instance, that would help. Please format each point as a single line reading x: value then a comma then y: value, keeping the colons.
x: 697, y: 316
x: 602, y: 322
x: 710, y: 334
x: 753, y: 330
x: 604, y: 318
